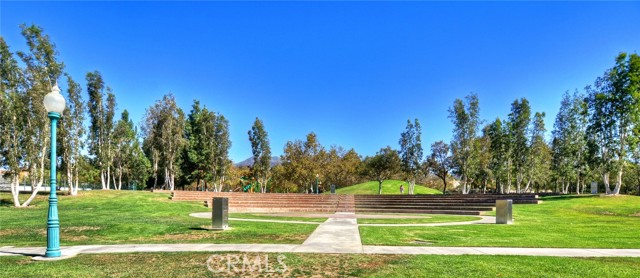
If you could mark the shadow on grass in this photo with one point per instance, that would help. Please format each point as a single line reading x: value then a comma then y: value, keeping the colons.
x: 567, y: 197
x: 6, y: 203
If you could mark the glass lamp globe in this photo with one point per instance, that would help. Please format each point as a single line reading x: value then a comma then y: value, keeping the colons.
x: 53, y: 101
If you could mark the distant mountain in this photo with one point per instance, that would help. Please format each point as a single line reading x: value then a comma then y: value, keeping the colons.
x: 275, y: 160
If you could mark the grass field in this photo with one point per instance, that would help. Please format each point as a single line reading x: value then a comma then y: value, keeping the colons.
x: 388, y: 187
x: 581, y: 222
x: 320, y: 265
x: 115, y: 217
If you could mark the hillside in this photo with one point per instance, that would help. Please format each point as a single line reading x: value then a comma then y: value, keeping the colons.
x: 388, y: 187
x: 275, y: 160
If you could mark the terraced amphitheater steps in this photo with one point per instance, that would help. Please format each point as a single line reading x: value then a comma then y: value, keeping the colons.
x: 295, y: 202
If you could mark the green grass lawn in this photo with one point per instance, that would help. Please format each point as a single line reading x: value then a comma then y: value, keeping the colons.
x: 117, y: 217
x: 321, y: 265
x: 388, y: 187
x: 430, y: 218
x: 581, y: 222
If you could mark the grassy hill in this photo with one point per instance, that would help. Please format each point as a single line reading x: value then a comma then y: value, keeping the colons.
x: 388, y: 187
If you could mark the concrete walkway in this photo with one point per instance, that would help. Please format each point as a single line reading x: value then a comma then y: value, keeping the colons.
x: 336, y: 235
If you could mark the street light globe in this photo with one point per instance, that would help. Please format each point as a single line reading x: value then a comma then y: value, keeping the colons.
x: 53, y: 101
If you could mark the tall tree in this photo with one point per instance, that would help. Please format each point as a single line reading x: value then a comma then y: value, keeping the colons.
x: 466, y: 120
x: 568, y: 142
x: 261, y: 168
x: 614, y: 109
x: 12, y: 125
x: 382, y: 166
x: 411, y: 152
x: 439, y: 162
x: 221, y: 163
x: 42, y: 70
x: 519, y: 120
x: 125, y: 149
x: 482, y: 170
x: 500, y: 162
x: 164, y: 128
x: 540, y: 154
x: 200, y: 148
x: 101, y: 115
x: 72, y: 133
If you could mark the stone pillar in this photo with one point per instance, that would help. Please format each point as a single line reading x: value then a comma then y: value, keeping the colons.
x: 220, y: 213
x: 504, y: 212
x: 594, y: 188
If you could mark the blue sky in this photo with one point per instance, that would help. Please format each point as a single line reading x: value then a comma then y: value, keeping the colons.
x: 353, y: 72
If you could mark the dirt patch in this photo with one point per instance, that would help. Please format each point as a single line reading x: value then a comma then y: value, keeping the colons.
x: 80, y: 229
x: 637, y: 214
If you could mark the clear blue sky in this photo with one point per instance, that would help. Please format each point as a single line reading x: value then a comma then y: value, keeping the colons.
x: 353, y: 72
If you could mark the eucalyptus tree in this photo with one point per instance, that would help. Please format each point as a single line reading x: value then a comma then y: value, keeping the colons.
x: 384, y: 165
x: 466, y: 120
x: 569, y: 144
x: 124, y: 149
x: 482, y: 172
x: 221, y: 163
x: 614, y: 110
x: 519, y: 120
x: 72, y: 134
x: 439, y: 162
x: 101, y: 116
x: 41, y: 72
x: 261, y: 168
x: 500, y: 161
x: 411, y: 152
x: 539, y: 155
x: 12, y: 123
x: 163, y: 126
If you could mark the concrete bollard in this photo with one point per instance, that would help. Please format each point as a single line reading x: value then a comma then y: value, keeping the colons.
x: 220, y: 213
x: 504, y: 212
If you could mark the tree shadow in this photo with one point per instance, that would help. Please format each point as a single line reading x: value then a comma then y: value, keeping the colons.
x: 567, y: 197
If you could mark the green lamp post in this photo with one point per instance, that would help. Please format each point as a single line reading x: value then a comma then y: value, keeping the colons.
x: 54, y: 103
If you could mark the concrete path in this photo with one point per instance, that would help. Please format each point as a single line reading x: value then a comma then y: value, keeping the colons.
x: 294, y: 248
x: 336, y: 235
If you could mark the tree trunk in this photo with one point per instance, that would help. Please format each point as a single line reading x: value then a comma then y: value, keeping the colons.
x: 108, y: 178
x: 380, y: 187
x: 39, y: 184
x: 509, y: 182
x: 578, y: 185
x: 616, y: 191
x: 102, y: 179
x: 15, y: 188
x: 605, y: 179
x: 412, y: 185
x: 444, y: 188
x: 526, y: 188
